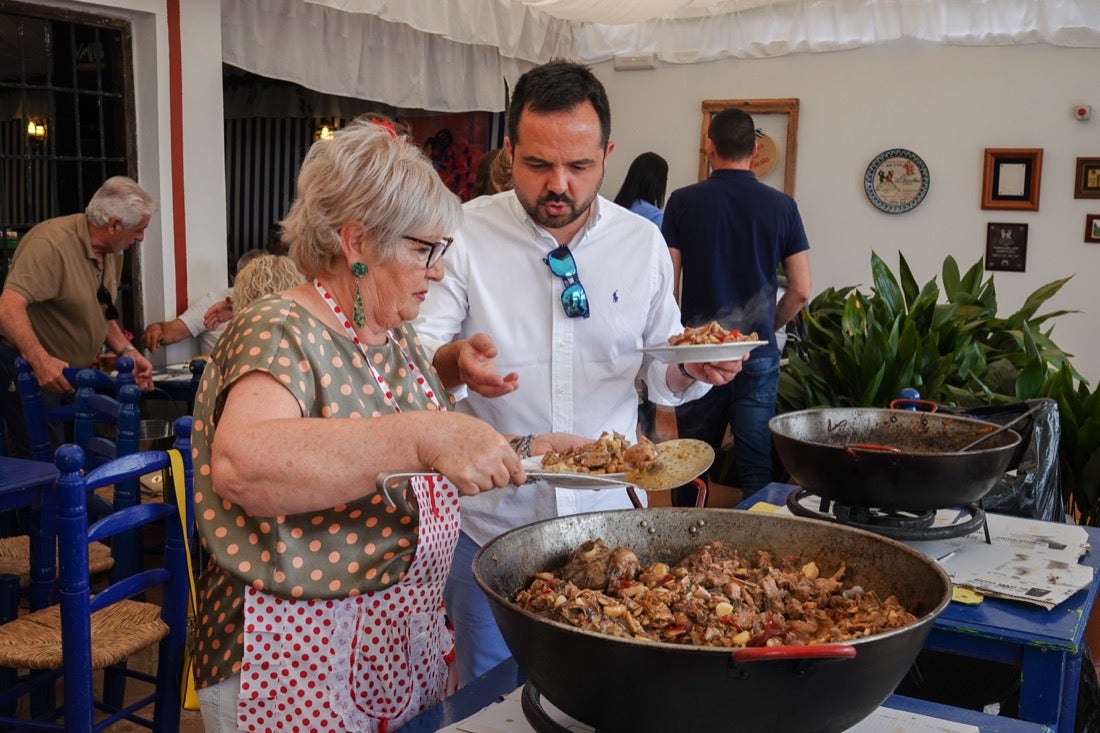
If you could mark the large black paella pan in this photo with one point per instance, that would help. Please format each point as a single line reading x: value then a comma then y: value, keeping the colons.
x: 892, y: 459
x: 623, y: 684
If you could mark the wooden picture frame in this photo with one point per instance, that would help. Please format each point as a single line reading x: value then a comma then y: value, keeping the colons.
x: 756, y: 107
x: 1006, y: 246
x: 1086, y: 184
x: 1011, y: 178
x: 1092, y: 228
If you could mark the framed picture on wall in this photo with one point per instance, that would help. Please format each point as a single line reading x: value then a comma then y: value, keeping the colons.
x: 1006, y: 247
x: 1087, y: 183
x: 761, y: 110
x: 1011, y: 177
x: 1092, y: 228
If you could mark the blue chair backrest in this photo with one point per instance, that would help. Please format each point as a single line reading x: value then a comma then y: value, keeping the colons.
x: 77, y: 601
x: 33, y: 415
x: 36, y: 418
x: 124, y: 374
x: 94, y: 409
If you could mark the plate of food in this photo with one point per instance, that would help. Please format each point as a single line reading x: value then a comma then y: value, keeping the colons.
x: 613, y: 460
x: 706, y: 343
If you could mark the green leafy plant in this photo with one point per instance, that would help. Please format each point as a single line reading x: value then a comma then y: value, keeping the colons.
x: 1078, y: 445
x: 863, y: 349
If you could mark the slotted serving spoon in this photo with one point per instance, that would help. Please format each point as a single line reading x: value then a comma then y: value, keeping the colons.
x: 678, y: 462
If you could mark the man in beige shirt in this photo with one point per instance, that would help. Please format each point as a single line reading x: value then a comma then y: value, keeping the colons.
x: 58, y: 308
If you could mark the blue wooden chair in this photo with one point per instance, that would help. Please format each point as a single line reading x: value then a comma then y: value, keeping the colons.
x: 89, y: 631
x: 124, y: 557
x: 90, y: 409
x: 37, y: 419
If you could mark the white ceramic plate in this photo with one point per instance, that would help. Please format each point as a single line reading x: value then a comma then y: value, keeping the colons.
x: 696, y: 353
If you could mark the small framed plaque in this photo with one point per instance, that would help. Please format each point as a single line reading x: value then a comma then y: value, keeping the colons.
x: 1006, y: 247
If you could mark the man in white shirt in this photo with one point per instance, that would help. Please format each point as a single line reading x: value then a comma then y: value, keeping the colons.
x: 549, y: 295
x: 193, y: 322
x: 188, y: 323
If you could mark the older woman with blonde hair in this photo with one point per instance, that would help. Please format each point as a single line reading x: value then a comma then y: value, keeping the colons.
x: 321, y: 605
x: 266, y: 274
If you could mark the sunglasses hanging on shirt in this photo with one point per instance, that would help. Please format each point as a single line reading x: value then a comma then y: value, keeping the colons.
x: 573, y: 298
x: 104, y: 297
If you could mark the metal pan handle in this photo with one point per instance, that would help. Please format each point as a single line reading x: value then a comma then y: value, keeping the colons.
x: 387, y: 483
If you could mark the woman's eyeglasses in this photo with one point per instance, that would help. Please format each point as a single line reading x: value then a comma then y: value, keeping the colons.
x: 573, y: 299
x: 109, y: 309
x: 436, y: 250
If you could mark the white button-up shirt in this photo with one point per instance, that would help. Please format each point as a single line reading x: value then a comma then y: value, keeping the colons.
x: 576, y: 375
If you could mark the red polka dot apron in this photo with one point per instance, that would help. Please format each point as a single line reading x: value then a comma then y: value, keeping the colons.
x: 366, y: 663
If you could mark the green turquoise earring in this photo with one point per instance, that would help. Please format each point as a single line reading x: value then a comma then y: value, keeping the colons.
x: 358, y: 269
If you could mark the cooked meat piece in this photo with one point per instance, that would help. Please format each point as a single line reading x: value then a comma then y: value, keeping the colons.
x: 596, y: 566
x: 640, y: 455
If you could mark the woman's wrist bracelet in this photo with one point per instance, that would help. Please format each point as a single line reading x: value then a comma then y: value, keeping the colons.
x: 521, y: 444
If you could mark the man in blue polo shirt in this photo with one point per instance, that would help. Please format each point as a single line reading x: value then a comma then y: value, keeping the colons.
x: 727, y: 236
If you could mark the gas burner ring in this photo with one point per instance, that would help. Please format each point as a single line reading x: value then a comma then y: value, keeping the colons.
x: 895, y: 524
x: 540, y: 720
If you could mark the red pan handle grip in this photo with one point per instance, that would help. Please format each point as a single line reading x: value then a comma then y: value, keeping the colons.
x: 928, y: 405
x: 850, y: 449
x: 815, y: 651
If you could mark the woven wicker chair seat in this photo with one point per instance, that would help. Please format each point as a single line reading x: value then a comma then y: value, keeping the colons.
x: 15, y: 558
x: 118, y: 631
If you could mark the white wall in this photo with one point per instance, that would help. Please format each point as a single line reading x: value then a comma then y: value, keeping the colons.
x: 946, y: 104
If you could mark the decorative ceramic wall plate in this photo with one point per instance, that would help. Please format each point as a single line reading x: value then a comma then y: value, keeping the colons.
x: 896, y: 181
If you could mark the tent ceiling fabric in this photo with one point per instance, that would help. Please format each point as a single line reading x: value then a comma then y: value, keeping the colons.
x: 461, y: 55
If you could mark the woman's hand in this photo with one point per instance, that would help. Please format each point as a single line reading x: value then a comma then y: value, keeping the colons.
x: 470, y: 454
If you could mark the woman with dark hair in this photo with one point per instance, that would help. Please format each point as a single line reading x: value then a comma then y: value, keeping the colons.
x: 643, y: 190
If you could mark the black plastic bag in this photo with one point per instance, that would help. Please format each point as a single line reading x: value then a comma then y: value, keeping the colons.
x: 1032, y: 487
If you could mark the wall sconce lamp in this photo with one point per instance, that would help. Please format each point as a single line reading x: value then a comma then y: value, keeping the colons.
x: 324, y: 132
x: 36, y: 130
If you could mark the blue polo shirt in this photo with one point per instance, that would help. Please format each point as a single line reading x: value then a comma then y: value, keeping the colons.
x: 733, y: 232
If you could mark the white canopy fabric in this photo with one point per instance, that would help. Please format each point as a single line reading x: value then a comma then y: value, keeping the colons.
x: 462, y: 55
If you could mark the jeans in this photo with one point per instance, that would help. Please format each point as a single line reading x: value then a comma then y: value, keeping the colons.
x: 745, y: 405
x: 478, y: 644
